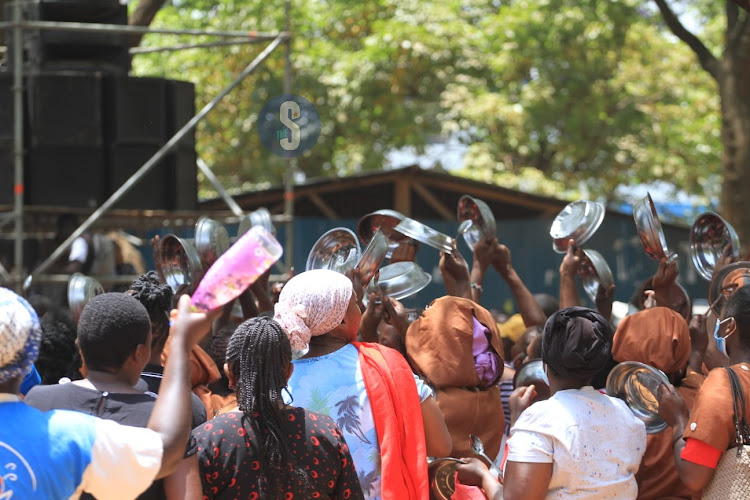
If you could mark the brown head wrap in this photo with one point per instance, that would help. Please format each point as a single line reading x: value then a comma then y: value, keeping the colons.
x: 576, y: 343
x: 658, y: 337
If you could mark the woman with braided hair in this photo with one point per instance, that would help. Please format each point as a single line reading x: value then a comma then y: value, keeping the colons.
x: 579, y: 443
x: 265, y: 448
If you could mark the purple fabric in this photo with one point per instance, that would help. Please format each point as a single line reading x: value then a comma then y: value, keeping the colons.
x: 487, y: 363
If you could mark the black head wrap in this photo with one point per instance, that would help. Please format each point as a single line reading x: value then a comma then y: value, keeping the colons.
x: 576, y: 343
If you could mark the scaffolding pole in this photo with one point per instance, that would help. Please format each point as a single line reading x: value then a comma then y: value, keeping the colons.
x: 290, y: 162
x: 18, y: 165
x: 171, y: 144
x: 233, y: 206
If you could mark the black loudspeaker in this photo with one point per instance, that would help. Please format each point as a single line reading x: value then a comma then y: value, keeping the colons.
x: 65, y: 176
x: 180, y: 109
x: 151, y: 192
x: 183, y: 182
x: 135, y: 110
x: 72, y: 49
x: 6, y: 106
x: 65, y: 109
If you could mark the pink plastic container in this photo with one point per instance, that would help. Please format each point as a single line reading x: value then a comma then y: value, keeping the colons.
x: 238, y: 268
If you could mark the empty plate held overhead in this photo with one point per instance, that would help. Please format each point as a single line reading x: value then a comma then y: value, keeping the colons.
x: 482, y: 220
x: 425, y: 234
x: 711, y: 237
x: 399, y: 280
x: 649, y: 229
x: 594, y: 271
x: 337, y: 250
x: 81, y: 289
x: 578, y: 221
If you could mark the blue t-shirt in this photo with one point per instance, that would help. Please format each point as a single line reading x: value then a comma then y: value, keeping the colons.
x: 59, y: 454
x: 333, y: 385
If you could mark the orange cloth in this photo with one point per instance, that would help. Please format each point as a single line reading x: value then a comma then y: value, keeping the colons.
x: 658, y: 337
x: 439, y: 347
x: 397, y: 412
x: 203, y: 371
x: 657, y: 477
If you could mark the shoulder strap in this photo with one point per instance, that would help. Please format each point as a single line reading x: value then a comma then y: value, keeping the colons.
x: 740, y: 423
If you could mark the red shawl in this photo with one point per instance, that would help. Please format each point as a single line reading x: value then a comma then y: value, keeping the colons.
x: 397, y: 413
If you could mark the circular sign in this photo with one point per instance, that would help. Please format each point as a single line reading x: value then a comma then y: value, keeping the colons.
x: 289, y: 125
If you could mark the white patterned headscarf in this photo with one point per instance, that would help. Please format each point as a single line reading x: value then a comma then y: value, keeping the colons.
x: 20, y: 335
x: 312, y: 303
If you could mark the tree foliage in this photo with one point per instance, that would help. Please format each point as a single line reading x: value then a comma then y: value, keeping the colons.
x: 553, y: 96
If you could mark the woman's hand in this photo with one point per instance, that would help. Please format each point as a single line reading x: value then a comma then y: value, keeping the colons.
x: 519, y: 400
x: 472, y: 472
x: 374, y: 312
x: 455, y: 272
x: 604, y: 300
x: 395, y: 315
x: 672, y: 407
x: 571, y: 261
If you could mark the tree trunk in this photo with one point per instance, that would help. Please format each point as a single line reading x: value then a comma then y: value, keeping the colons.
x: 143, y: 14
x: 734, y: 89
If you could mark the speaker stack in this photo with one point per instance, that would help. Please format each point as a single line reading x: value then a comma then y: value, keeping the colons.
x: 88, y: 125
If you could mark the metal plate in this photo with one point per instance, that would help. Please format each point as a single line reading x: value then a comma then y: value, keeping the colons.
x: 337, y: 250
x: 372, y: 257
x: 260, y: 217
x: 441, y: 474
x: 725, y: 282
x: 211, y: 240
x: 577, y: 221
x: 425, y: 234
x: 532, y: 372
x: 385, y: 220
x: 399, y: 280
x: 483, y: 220
x: 81, y: 289
x: 179, y: 262
x: 594, y: 271
x: 637, y: 384
x: 649, y: 228
x: 710, y: 235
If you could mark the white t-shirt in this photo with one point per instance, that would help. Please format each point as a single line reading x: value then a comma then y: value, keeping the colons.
x: 594, y: 442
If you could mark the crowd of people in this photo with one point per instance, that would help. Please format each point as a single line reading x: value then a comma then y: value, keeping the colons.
x: 318, y: 391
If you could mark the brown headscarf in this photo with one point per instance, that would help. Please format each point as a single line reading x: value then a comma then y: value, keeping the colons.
x: 658, y: 337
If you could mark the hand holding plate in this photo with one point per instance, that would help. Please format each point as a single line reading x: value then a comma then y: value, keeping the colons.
x: 501, y: 259
x: 698, y: 333
x: 672, y: 407
x: 455, y: 271
x: 520, y: 399
x: 571, y: 261
x: 604, y: 298
x: 395, y: 315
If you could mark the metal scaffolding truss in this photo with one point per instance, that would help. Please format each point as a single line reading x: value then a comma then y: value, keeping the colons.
x: 18, y: 24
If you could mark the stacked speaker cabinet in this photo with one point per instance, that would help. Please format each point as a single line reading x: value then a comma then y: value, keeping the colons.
x: 183, y: 167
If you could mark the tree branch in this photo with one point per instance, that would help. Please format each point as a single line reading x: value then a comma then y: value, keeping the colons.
x: 745, y: 4
x: 143, y: 14
x: 707, y: 60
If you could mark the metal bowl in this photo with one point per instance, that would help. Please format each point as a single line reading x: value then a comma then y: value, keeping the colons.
x: 399, y: 280
x: 482, y: 219
x: 425, y: 234
x: 637, y: 384
x: 532, y: 372
x: 81, y: 289
x: 260, y: 217
x: 594, y: 271
x: 441, y: 475
x: 385, y: 220
x: 725, y: 282
x: 577, y: 221
x: 211, y: 240
x: 372, y: 257
x: 710, y: 235
x: 337, y: 250
x: 179, y: 263
x: 649, y: 229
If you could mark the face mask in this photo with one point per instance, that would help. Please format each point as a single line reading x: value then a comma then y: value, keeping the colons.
x: 721, y: 342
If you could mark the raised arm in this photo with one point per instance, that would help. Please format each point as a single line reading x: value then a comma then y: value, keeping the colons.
x: 455, y: 273
x: 528, y: 307
x: 170, y: 417
x: 568, y: 268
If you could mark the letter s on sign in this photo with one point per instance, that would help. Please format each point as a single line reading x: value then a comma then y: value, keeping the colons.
x: 290, y: 143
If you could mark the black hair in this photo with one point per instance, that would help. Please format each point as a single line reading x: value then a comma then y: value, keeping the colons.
x: 576, y: 343
x: 259, y: 355
x: 218, y: 352
x: 58, y: 356
x: 738, y: 307
x: 111, y: 326
x: 156, y: 297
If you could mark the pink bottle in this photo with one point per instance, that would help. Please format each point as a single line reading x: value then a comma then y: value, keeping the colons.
x: 238, y: 268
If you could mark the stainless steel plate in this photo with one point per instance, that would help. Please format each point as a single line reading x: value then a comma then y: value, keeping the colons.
x: 577, y: 221
x: 260, y: 217
x: 710, y: 237
x: 211, y: 240
x: 531, y: 372
x: 372, y: 257
x: 425, y: 234
x: 386, y: 220
x: 649, y: 229
x: 81, y: 289
x: 594, y: 271
x: 399, y: 280
x: 179, y: 262
x: 483, y: 220
x: 637, y: 384
x: 337, y: 250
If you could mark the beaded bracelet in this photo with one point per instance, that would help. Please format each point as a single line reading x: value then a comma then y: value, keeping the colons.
x: 478, y: 287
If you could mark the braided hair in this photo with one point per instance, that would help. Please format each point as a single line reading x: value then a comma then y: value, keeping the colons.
x: 259, y: 355
x: 156, y: 297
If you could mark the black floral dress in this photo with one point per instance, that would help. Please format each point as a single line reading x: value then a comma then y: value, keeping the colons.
x: 229, y: 465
